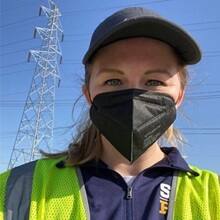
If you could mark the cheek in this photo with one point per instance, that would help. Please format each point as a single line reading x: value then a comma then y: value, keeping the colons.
x: 94, y: 88
x: 174, y: 88
x: 175, y: 95
x: 97, y: 86
x: 92, y: 93
x: 175, y: 92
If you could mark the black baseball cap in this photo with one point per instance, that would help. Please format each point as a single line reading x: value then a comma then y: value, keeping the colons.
x: 140, y: 22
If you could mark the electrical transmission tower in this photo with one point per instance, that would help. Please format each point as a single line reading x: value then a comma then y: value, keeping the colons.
x: 36, y: 126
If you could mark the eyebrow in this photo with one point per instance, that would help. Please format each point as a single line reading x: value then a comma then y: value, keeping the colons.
x: 111, y: 70
x: 158, y: 71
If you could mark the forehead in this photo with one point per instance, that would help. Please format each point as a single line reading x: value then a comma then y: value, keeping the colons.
x: 148, y: 50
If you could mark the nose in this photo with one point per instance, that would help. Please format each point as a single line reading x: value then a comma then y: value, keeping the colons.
x: 135, y: 83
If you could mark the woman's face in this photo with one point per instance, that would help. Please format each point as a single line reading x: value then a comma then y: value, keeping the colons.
x: 141, y: 63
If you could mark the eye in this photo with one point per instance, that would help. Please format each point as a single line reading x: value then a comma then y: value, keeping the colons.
x: 113, y: 82
x: 154, y: 83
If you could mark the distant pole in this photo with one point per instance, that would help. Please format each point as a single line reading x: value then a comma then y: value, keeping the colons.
x: 36, y: 126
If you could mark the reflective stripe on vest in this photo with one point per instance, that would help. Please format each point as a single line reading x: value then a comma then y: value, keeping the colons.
x: 83, y: 192
x: 18, y: 192
x: 172, y: 196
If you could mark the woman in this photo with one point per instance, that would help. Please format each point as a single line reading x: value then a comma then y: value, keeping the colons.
x: 135, y: 79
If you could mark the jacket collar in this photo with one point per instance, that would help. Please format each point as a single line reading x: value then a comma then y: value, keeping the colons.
x: 173, y: 160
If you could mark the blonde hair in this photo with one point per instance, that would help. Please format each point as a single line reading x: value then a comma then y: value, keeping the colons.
x: 86, y: 144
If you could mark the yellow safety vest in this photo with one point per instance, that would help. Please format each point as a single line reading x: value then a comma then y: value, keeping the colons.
x: 39, y: 190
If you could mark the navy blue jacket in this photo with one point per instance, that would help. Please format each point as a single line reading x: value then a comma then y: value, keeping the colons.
x: 110, y: 198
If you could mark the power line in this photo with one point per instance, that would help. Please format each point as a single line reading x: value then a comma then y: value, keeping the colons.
x: 11, y: 133
x: 69, y: 41
x: 72, y: 63
x: 58, y: 105
x: 16, y: 42
x: 115, y: 7
x: 16, y: 51
x: 23, y: 101
x: 203, y: 133
x: 202, y: 129
x: 77, y: 35
x: 13, y: 64
x: 202, y: 22
x: 208, y: 84
x: 205, y: 29
x: 11, y: 73
x: 19, y: 22
x: 207, y: 97
x: 16, y: 8
x: 210, y: 56
x: 24, y: 92
x: 212, y: 51
x: 204, y: 92
x: 11, y: 94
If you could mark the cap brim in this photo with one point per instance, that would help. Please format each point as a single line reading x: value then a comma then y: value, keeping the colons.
x: 151, y: 27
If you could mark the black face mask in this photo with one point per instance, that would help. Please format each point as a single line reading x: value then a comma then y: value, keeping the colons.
x: 133, y: 119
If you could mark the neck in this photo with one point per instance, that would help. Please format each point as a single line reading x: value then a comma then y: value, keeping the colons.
x: 124, y: 167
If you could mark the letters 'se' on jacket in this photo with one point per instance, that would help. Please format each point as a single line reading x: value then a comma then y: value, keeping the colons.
x: 39, y: 190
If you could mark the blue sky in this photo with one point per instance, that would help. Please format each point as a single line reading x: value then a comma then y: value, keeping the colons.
x: 198, y: 118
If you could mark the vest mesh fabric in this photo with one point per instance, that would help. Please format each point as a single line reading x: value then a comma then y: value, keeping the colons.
x: 56, y: 193
x: 3, y: 182
x: 197, y: 198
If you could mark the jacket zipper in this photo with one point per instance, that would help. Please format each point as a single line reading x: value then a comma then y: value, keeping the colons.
x: 128, y: 199
x: 129, y: 192
x: 129, y: 208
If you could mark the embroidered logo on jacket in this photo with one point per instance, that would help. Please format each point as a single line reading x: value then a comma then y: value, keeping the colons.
x: 164, y: 198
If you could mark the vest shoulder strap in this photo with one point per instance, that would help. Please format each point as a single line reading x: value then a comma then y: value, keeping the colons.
x: 57, y: 192
x: 197, y: 197
x: 42, y: 190
x: 17, y: 196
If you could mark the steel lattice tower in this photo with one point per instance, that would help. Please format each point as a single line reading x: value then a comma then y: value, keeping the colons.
x: 36, y: 126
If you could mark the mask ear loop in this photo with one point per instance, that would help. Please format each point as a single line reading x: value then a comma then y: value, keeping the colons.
x: 90, y: 99
x: 97, y: 139
x: 88, y: 94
